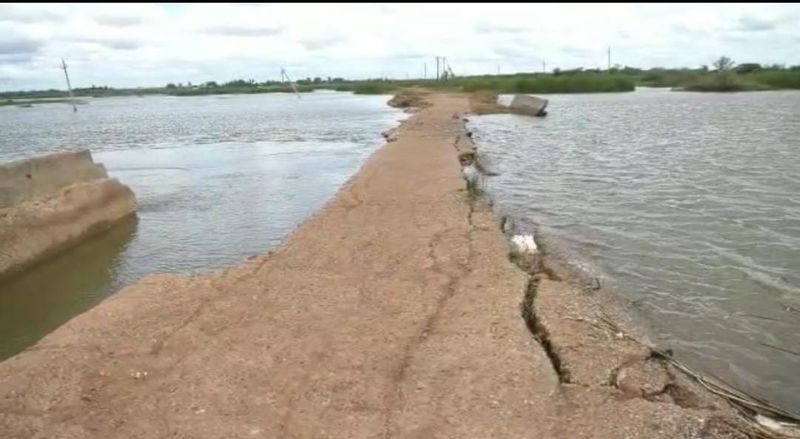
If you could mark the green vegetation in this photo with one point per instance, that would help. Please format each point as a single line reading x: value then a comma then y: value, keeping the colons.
x: 724, y: 75
x: 226, y: 90
x: 370, y: 87
x: 30, y: 102
x: 571, y: 82
x: 723, y: 78
x: 590, y: 82
x: 722, y: 81
x: 778, y: 79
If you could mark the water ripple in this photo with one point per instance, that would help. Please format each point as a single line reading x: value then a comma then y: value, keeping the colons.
x: 689, y: 202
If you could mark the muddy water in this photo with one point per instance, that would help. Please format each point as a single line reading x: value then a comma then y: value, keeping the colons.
x: 687, y: 204
x: 217, y: 179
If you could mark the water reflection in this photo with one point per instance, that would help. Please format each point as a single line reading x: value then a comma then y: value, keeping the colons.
x: 38, y: 300
x: 216, y: 180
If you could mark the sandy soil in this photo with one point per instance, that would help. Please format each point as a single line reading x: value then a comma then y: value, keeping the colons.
x: 392, y: 312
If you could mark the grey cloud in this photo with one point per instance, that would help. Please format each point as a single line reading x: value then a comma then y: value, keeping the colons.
x: 19, y: 50
x: 487, y: 28
x: 111, y: 43
x: 122, y: 44
x: 753, y: 24
x: 512, y: 52
x: 321, y: 43
x: 685, y: 34
x: 576, y: 51
x: 517, y: 48
x: 481, y: 59
x: 234, y: 31
x: 525, y: 42
x: 735, y: 38
x: 117, y: 20
x: 19, y: 46
x: 12, y: 13
x: 16, y: 58
x: 682, y: 30
x: 409, y: 55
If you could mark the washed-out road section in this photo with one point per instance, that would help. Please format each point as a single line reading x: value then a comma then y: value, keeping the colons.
x: 393, y: 312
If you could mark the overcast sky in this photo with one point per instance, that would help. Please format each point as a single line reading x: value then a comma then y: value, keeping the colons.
x: 140, y: 44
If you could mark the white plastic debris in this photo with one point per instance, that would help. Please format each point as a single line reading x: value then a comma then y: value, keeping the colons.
x: 784, y: 428
x: 470, y: 172
x: 524, y: 244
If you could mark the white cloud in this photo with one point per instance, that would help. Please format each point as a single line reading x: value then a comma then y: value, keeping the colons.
x: 152, y: 44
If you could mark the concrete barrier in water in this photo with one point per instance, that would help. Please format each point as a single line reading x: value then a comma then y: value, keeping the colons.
x: 50, y: 202
x: 43, y: 176
x: 528, y: 105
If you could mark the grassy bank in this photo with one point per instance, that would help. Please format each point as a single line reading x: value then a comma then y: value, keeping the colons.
x: 30, y: 102
x: 371, y: 87
x: 235, y: 90
x: 524, y: 83
x: 744, y: 77
x: 722, y: 82
x: 699, y: 80
x: 783, y: 79
x: 580, y: 83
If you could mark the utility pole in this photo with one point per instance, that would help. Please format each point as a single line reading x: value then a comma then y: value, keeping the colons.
x: 437, y: 68
x: 424, y: 70
x: 609, y: 58
x: 285, y: 77
x: 69, y: 87
x: 444, y: 66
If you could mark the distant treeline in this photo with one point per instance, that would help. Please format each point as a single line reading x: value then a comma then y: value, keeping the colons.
x: 724, y: 76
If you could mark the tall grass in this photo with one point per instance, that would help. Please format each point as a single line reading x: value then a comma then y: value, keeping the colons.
x: 667, y: 78
x: 722, y: 82
x: 783, y: 79
x: 30, y: 102
x: 694, y: 80
x: 369, y: 87
x: 583, y: 83
x: 527, y: 83
x: 236, y: 90
x: 575, y: 81
x: 538, y: 83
